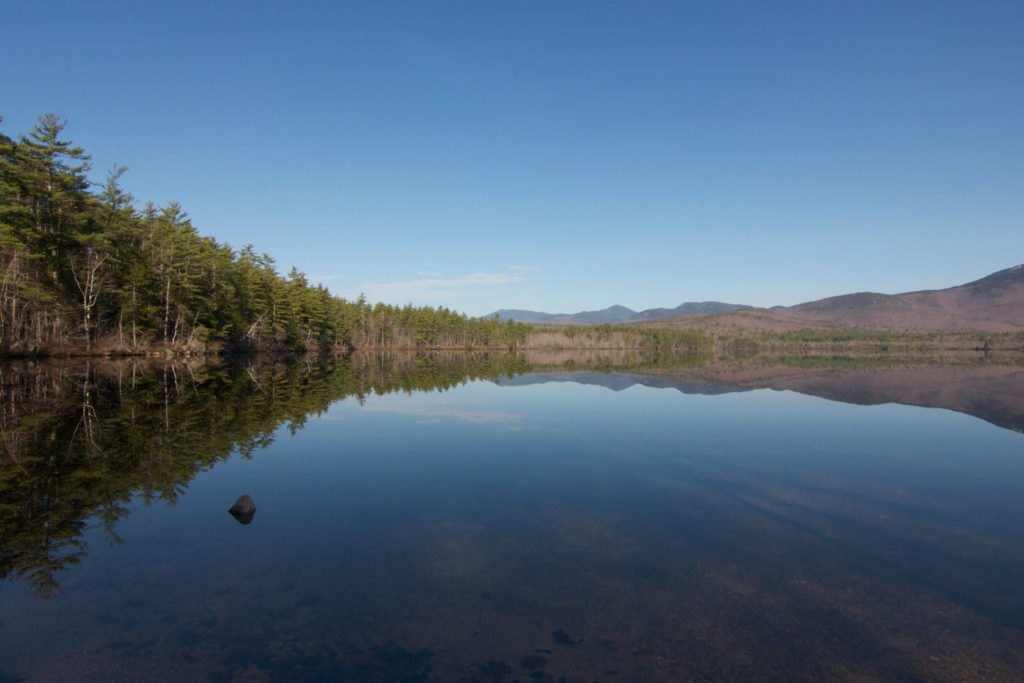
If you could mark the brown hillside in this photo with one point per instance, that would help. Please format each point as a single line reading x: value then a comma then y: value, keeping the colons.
x: 992, y: 304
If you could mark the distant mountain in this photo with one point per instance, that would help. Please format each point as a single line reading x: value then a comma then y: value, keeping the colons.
x: 689, y: 307
x: 520, y: 315
x: 614, y: 314
x: 993, y: 303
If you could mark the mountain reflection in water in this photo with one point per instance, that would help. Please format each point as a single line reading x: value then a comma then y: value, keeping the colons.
x: 994, y: 393
x: 417, y: 524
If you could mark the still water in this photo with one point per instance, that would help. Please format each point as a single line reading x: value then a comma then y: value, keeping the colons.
x: 501, y: 527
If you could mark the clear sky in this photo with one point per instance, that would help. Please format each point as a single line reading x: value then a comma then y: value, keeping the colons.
x: 555, y: 155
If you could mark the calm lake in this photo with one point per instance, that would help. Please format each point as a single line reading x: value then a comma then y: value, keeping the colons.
x: 471, y: 519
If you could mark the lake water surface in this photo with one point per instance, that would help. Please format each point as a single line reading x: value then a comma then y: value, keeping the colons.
x: 541, y: 527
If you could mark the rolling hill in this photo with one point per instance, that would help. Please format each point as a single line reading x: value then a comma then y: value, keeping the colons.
x: 994, y: 303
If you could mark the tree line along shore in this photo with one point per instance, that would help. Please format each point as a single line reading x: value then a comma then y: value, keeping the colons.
x: 84, y: 271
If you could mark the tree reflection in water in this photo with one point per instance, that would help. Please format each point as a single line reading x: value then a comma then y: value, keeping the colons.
x: 82, y: 440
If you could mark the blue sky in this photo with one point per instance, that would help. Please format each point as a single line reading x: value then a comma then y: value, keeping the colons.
x: 556, y: 156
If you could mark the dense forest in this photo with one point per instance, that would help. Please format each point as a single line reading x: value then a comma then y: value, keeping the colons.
x: 83, y: 270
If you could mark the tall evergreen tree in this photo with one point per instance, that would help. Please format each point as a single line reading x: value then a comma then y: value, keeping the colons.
x: 77, y: 267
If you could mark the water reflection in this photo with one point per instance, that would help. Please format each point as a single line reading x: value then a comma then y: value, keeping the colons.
x: 989, y: 389
x: 82, y: 439
x: 531, y: 527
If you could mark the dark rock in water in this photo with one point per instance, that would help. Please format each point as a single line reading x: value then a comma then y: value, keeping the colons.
x: 243, y: 510
x: 562, y: 638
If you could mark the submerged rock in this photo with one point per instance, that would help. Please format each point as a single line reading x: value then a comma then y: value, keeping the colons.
x: 243, y: 509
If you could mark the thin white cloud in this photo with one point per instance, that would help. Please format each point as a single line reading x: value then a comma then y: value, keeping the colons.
x: 435, y: 286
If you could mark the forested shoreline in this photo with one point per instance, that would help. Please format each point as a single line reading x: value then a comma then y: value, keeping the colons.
x: 85, y: 272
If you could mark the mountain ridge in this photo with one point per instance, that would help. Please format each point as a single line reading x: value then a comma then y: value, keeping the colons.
x: 993, y: 303
x: 614, y: 314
